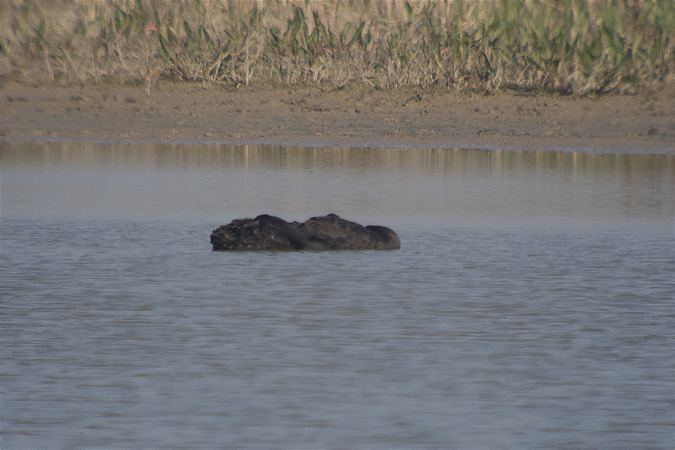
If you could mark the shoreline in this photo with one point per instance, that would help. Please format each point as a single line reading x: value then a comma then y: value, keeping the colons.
x: 183, y: 113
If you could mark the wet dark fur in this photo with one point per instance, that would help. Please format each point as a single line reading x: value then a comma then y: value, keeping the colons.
x: 317, y: 233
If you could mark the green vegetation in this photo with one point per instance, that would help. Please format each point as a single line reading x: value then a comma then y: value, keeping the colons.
x: 572, y: 47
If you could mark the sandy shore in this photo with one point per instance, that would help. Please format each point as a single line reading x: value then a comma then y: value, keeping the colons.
x: 349, y: 117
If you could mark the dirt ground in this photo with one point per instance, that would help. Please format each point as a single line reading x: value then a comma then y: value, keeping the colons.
x: 353, y: 116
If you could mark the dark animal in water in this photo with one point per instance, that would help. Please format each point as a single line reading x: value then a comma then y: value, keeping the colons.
x: 317, y: 233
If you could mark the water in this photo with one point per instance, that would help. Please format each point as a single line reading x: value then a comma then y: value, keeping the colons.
x: 531, y: 303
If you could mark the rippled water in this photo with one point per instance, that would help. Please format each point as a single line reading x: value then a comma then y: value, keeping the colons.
x: 531, y: 303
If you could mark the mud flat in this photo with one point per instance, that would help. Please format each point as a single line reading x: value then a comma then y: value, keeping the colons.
x: 353, y: 116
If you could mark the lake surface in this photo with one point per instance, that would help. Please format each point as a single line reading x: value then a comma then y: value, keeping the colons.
x: 531, y: 303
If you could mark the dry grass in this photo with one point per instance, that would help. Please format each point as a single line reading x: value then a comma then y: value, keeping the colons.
x: 575, y: 47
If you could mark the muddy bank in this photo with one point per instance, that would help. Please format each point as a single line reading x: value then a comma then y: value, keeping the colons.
x: 348, y: 117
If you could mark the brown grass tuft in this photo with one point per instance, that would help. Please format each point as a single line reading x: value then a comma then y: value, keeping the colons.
x: 568, y: 47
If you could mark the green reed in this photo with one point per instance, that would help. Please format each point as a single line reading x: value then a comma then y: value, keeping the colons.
x: 572, y: 47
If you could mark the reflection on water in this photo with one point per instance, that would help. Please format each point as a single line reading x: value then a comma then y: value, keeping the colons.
x: 531, y: 303
x: 414, y: 186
